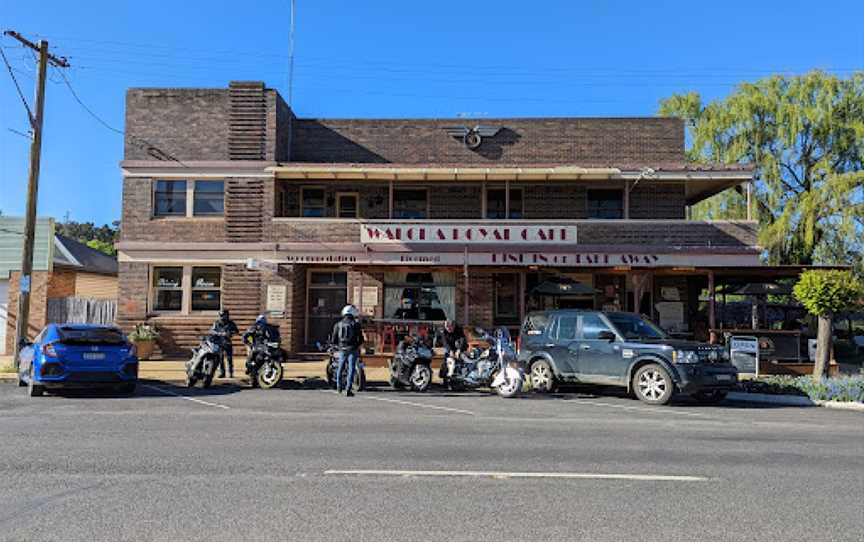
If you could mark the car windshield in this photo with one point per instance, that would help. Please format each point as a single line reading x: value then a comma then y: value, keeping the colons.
x: 632, y: 326
x: 91, y: 335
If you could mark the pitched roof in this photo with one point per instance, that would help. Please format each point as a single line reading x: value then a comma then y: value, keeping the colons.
x: 70, y: 253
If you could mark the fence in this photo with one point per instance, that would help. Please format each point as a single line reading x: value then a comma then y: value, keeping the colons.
x: 82, y: 310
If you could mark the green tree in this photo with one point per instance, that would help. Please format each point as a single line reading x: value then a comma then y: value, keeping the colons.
x: 101, y: 238
x: 824, y: 293
x: 804, y: 136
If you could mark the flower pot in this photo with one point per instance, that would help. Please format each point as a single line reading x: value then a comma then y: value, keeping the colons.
x: 145, y: 348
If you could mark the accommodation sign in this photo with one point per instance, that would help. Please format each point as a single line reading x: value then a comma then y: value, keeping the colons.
x: 467, y: 234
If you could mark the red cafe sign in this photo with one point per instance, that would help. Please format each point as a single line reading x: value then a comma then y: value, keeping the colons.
x: 467, y: 233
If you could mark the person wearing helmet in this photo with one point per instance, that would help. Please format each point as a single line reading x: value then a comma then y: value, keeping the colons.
x: 225, y: 325
x: 259, y: 333
x: 347, y: 336
x: 452, y: 337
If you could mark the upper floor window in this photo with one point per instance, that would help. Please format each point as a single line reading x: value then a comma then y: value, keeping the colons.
x: 347, y: 205
x: 313, y: 202
x: 605, y: 204
x: 410, y: 203
x: 189, y: 198
x: 170, y: 198
x: 209, y: 198
x: 496, y: 203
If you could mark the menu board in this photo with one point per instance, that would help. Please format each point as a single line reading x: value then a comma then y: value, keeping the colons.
x: 744, y: 352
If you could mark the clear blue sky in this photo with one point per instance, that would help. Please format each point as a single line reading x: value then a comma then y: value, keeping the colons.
x: 390, y: 59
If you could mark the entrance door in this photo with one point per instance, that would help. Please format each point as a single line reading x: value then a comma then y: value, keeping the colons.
x: 327, y: 294
x: 599, y: 359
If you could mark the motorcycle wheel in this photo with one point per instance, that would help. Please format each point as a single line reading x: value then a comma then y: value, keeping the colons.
x: 269, y: 375
x: 510, y: 388
x: 190, y: 380
x: 209, y: 370
x: 331, y: 378
x: 395, y: 384
x: 359, y: 383
x: 421, y: 377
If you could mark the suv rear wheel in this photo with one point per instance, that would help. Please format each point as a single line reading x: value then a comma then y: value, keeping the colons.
x: 652, y: 384
x: 542, y: 377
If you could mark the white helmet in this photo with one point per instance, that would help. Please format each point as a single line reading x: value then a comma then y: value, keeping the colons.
x: 350, y: 309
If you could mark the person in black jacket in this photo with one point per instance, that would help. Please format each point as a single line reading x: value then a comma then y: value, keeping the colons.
x: 452, y: 337
x: 227, y: 326
x: 257, y: 337
x: 347, y: 336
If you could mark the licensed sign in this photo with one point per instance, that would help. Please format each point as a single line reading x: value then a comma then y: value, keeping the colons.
x: 744, y: 352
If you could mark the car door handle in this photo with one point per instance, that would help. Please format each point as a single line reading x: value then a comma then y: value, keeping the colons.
x: 585, y: 346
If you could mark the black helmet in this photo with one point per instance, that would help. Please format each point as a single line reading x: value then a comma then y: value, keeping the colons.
x: 223, y: 314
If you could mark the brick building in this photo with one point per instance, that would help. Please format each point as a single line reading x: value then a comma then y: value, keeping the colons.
x: 230, y: 200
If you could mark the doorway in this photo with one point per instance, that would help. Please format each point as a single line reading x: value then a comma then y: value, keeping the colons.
x: 327, y: 294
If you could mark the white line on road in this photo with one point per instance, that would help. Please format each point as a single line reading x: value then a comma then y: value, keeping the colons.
x: 496, y: 474
x: 409, y: 403
x: 664, y: 410
x: 194, y: 400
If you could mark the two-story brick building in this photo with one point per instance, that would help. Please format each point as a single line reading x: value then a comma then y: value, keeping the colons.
x: 231, y: 200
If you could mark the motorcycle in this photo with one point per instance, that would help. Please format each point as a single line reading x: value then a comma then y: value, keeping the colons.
x: 411, y: 366
x: 264, y: 363
x: 205, y: 359
x: 359, y: 383
x: 494, y: 365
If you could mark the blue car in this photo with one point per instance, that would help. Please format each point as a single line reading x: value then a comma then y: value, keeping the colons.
x: 78, y: 356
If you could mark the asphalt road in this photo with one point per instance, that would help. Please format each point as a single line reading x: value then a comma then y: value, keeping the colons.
x: 241, y: 464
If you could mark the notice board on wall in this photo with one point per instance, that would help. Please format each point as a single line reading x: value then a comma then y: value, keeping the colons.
x: 276, y: 296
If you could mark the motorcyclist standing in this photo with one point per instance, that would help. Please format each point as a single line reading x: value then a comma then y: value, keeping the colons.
x: 227, y: 326
x: 452, y: 337
x: 347, y: 336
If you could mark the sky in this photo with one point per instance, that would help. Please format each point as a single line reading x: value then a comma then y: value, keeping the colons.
x: 441, y: 58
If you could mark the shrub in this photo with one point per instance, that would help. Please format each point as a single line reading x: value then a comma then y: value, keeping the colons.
x: 845, y: 389
x: 144, y: 332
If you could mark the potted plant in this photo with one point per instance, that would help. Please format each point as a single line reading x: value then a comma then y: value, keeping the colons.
x: 144, y: 337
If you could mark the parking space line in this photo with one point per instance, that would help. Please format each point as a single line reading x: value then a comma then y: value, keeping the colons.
x: 409, y: 403
x: 664, y: 410
x: 194, y: 400
x: 498, y: 474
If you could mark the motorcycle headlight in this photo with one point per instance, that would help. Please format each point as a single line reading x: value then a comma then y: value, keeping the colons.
x: 685, y: 356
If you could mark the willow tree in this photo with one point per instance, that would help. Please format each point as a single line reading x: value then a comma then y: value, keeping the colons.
x: 804, y: 136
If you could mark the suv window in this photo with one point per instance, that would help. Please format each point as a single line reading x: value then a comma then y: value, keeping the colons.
x: 567, y: 327
x: 592, y: 326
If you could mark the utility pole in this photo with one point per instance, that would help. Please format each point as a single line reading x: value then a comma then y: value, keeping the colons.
x: 25, y: 282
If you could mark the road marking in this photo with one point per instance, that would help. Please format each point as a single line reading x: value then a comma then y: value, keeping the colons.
x: 664, y: 410
x: 495, y: 474
x: 409, y: 403
x: 194, y: 400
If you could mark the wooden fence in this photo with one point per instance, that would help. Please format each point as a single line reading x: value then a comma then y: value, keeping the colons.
x: 82, y: 310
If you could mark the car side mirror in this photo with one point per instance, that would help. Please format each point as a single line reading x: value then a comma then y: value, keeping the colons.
x: 606, y: 336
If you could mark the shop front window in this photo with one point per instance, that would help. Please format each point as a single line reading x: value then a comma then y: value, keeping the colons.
x: 410, y: 203
x: 206, y: 288
x: 168, y: 289
x: 420, y: 296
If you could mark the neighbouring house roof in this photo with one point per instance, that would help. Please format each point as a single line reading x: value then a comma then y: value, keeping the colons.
x: 70, y: 253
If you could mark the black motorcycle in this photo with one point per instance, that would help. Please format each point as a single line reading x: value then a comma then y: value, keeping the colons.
x: 205, y: 359
x: 492, y: 365
x: 411, y: 366
x: 359, y: 383
x: 264, y: 363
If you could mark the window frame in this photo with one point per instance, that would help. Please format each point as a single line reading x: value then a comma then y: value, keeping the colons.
x: 186, y: 288
x: 423, y: 189
x: 339, y: 196
x: 588, y: 208
x: 189, y: 210
x: 154, y: 289
x: 193, y: 288
x: 323, y: 207
x: 508, y: 211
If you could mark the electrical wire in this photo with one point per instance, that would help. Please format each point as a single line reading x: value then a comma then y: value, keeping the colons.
x: 30, y: 116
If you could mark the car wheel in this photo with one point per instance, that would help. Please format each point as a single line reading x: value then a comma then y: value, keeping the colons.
x: 653, y: 385
x: 33, y: 389
x: 542, y: 377
x: 709, y: 397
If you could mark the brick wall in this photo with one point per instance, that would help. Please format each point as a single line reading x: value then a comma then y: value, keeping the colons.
x: 658, y: 201
x: 39, y: 289
x: 583, y: 141
x: 133, y: 286
x: 138, y: 224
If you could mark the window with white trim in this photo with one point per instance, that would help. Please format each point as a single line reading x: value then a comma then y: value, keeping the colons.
x: 168, y: 289
x: 209, y: 199
x: 186, y: 289
x: 206, y: 288
x: 189, y: 198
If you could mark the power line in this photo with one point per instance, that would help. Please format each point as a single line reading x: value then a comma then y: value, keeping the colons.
x: 30, y: 116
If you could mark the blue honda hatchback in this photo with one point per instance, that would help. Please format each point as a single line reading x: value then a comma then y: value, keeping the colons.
x: 78, y: 356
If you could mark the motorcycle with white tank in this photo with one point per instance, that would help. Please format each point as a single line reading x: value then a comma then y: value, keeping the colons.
x: 494, y: 365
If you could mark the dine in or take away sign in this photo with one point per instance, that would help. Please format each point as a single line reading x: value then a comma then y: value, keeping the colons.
x: 468, y: 234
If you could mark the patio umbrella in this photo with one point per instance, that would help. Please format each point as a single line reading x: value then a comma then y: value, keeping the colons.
x: 561, y: 287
